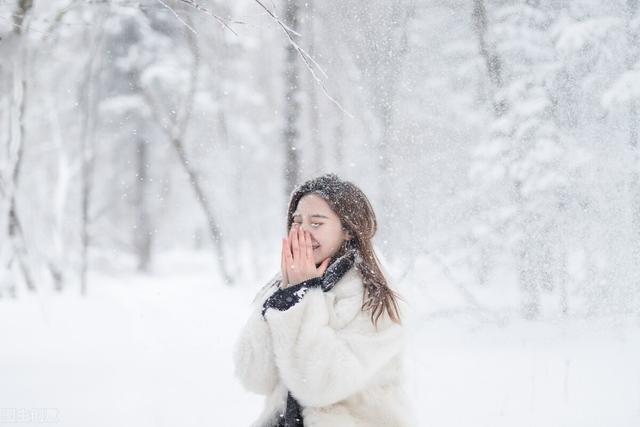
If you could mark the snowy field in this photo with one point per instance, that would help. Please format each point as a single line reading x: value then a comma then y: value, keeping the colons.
x: 156, y: 351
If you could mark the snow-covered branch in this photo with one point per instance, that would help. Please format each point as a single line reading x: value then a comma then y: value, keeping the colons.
x: 311, y: 64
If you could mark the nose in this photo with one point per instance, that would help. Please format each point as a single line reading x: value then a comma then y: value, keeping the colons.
x: 307, y: 227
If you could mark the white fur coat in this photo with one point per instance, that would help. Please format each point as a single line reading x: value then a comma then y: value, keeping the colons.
x: 325, y: 350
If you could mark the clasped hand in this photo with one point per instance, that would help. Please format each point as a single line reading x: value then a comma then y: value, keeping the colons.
x: 297, y: 258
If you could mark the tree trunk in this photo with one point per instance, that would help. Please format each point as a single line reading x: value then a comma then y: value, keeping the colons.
x: 527, y: 255
x: 292, y: 104
x: 143, y: 228
x: 214, y: 230
x: 87, y: 99
x: 59, y: 260
x: 491, y: 59
x: 18, y: 58
x: 494, y: 72
x: 85, y: 203
x: 389, y: 42
x: 314, y: 107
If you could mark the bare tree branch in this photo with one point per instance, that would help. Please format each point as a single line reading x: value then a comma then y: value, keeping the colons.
x: 182, y: 21
x: 224, y: 22
x: 311, y: 64
x: 308, y: 60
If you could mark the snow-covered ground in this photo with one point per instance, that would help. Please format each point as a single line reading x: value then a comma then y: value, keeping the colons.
x: 156, y: 351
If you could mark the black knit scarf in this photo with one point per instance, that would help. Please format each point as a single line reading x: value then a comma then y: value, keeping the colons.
x: 283, y: 299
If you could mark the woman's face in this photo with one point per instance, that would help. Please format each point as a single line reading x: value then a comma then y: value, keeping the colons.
x: 314, y: 215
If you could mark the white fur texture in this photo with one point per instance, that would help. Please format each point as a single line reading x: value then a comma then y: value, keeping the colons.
x: 325, y: 350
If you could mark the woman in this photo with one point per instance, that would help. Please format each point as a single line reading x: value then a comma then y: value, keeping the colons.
x: 324, y: 342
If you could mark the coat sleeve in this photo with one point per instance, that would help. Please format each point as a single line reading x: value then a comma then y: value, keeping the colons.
x: 321, y: 365
x: 253, y: 355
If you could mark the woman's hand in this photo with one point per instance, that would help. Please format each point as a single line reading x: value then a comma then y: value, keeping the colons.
x: 283, y: 266
x: 297, y: 258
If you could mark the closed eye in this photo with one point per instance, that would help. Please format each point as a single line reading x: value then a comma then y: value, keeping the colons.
x: 313, y: 224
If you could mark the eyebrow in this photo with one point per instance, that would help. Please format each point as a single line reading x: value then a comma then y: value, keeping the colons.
x: 312, y: 216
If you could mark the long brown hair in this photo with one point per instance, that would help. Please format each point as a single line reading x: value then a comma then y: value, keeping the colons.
x: 358, y: 218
